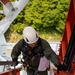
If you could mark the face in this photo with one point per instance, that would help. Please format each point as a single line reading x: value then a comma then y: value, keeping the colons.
x: 33, y: 44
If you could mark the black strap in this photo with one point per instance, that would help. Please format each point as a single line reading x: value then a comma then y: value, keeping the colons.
x: 24, y: 45
x: 40, y: 52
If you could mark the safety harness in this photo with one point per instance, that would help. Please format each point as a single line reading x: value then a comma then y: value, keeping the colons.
x: 25, y: 53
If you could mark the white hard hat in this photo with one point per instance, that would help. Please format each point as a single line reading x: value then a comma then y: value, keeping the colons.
x: 30, y: 35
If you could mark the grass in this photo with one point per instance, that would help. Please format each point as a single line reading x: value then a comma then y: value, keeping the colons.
x: 51, y: 36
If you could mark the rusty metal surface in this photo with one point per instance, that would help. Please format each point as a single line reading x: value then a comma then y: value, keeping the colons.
x: 6, y: 62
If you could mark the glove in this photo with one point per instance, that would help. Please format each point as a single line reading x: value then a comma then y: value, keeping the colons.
x: 60, y: 67
x: 15, y: 62
x: 24, y: 62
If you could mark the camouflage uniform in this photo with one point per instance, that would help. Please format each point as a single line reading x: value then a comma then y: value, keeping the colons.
x: 34, y: 58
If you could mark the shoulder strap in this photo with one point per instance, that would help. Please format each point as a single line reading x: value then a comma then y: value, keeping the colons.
x: 40, y: 52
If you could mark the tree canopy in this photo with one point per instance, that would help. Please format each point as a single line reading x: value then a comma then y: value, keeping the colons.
x: 42, y: 14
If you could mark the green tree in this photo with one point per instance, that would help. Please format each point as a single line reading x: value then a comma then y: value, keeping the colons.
x: 42, y: 14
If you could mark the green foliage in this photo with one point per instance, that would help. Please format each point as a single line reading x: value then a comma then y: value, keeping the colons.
x: 12, y: 0
x: 1, y: 16
x: 19, y: 18
x: 43, y: 14
x: 19, y: 23
x: 1, y: 6
x: 19, y: 27
x: 47, y: 16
